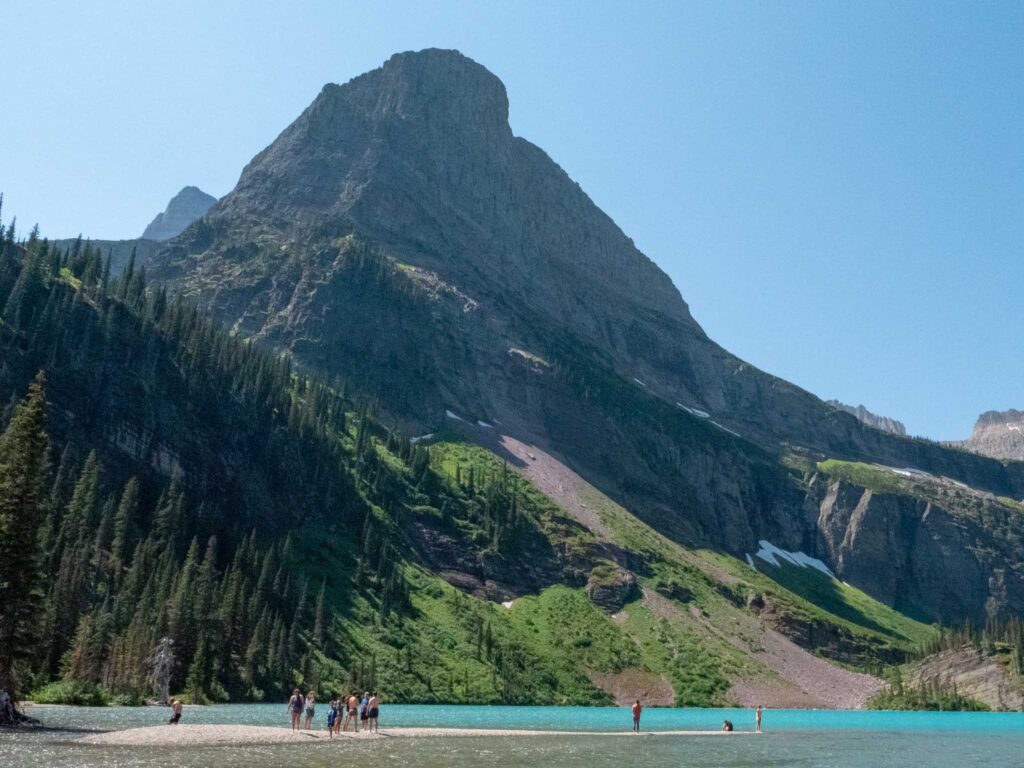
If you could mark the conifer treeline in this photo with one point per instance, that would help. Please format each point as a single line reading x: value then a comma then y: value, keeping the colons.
x: 1005, y: 636
x: 185, y: 463
x: 177, y: 543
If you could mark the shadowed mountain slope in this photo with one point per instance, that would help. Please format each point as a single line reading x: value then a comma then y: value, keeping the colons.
x: 399, y: 236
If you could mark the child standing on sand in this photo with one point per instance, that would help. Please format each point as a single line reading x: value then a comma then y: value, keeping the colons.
x: 332, y: 715
x: 757, y: 717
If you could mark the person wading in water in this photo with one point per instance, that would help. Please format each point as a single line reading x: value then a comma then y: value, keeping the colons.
x: 175, y: 712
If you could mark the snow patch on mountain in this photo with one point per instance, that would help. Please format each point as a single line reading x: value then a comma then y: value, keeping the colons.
x: 772, y: 554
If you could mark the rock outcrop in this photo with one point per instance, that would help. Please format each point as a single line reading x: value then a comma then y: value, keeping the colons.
x: 971, y: 673
x: 185, y: 207
x: 865, y: 416
x: 999, y: 434
x: 611, y: 587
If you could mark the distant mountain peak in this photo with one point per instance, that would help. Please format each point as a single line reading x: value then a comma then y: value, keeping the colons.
x: 999, y: 434
x: 184, y: 208
x: 884, y: 423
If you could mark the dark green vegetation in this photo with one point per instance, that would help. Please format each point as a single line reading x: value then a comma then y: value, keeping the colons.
x: 1002, y: 639
x: 23, y: 465
x: 933, y: 697
x: 929, y: 700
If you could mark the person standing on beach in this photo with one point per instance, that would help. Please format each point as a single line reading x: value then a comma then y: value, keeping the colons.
x: 364, y: 709
x: 175, y: 712
x: 351, y: 713
x: 295, y: 705
x: 310, y: 708
x: 757, y: 717
x: 373, y: 706
x: 637, y: 709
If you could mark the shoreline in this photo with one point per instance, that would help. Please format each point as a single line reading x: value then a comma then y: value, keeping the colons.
x: 215, y: 735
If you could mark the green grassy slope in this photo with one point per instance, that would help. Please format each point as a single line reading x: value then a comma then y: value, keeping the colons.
x: 692, y: 627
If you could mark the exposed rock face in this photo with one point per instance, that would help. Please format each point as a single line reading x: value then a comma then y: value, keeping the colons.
x: 865, y: 416
x: 184, y: 208
x: 972, y: 673
x: 920, y: 557
x: 999, y: 434
x: 612, y: 588
x: 399, y: 236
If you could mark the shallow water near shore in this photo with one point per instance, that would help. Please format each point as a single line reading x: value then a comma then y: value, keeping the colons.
x: 809, y: 739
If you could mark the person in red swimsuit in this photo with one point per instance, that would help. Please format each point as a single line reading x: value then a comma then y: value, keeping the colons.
x: 637, y: 709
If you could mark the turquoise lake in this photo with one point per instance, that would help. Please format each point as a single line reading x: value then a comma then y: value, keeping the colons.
x: 808, y: 739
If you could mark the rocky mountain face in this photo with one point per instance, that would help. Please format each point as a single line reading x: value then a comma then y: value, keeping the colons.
x: 999, y: 434
x: 185, y: 207
x: 398, y: 236
x: 865, y: 416
x: 938, y: 552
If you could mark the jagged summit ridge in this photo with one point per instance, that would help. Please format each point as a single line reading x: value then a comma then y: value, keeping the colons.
x: 884, y: 423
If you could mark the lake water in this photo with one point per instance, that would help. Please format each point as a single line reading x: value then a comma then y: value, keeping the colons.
x: 804, y: 739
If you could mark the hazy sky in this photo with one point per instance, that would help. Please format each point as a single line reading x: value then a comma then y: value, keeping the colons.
x: 837, y: 188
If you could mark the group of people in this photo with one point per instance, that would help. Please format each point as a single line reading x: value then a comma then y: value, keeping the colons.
x: 361, y: 713
x: 727, y: 726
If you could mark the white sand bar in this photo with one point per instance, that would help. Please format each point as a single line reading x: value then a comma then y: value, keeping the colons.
x: 199, y: 735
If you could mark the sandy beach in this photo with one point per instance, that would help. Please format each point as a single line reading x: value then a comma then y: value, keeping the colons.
x: 211, y: 735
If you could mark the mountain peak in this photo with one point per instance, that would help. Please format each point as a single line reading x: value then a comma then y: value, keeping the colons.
x: 999, y: 434
x: 184, y: 208
x: 435, y: 85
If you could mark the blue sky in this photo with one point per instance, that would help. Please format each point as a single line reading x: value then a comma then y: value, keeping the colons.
x: 837, y: 188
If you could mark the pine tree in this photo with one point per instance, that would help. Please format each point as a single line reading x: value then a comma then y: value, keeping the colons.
x: 318, y: 621
x: 23, y: 481
x: 200, y: 671
x: 124, y: 522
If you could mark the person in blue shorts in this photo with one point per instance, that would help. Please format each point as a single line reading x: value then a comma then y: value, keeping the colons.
x: 332, y: 715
